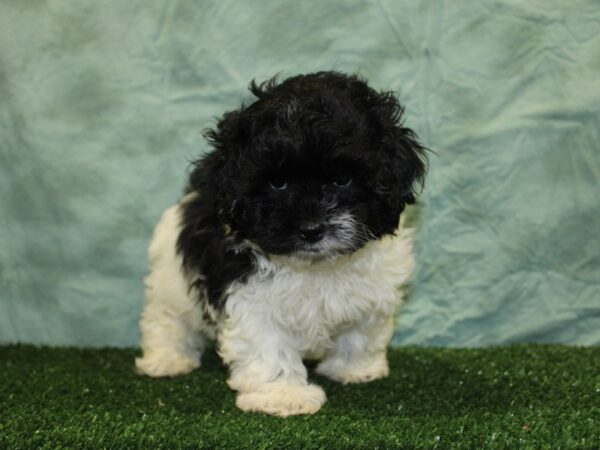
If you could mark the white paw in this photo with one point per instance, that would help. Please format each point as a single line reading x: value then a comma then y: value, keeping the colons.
x: 359, y: 372
x: 282, y: 400
x: 166, y: 364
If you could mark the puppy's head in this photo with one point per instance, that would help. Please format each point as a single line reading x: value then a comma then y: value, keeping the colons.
x: 315, y: 167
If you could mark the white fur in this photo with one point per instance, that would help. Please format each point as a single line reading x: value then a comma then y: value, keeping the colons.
x: 339, y: 311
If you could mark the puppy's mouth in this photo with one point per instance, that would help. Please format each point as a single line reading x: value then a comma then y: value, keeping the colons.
x: 314, y: 250
x: 339, y: 235
x: 316, y: 253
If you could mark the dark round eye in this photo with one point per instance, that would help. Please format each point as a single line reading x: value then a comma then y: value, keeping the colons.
x: 278, y: 185
x: 383, y: 187
x: 342, y: 182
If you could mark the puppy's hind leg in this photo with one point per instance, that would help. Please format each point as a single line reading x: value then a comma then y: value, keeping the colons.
x: 170, y: 343
x: 172, y: 319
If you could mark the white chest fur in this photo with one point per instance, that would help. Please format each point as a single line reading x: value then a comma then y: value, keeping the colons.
x: 313, y: 303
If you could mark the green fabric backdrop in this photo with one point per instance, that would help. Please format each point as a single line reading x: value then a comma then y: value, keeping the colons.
x: 102, y: 104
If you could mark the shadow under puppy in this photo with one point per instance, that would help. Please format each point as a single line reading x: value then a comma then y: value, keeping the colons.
x: 287, y: 243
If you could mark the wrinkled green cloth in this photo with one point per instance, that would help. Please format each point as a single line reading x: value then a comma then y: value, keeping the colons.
x: 102, y: 106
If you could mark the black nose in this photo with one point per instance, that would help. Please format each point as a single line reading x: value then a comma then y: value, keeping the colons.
x: 312, y: 231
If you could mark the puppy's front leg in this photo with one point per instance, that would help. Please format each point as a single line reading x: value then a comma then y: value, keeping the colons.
x: 359, y: 355
x: 265, y: 369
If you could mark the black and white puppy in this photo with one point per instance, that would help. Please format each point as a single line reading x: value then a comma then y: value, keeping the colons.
x: 287, y: 243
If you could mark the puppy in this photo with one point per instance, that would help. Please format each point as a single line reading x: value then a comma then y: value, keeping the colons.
x: 287, y: 243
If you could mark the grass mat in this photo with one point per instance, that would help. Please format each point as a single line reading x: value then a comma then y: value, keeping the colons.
x: 526, y: 396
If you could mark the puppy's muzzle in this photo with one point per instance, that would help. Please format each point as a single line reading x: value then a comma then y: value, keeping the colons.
x: 312, y: 231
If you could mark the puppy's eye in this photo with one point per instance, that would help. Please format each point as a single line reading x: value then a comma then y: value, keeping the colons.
x: 342, y: 182
x: 384, y: 188
x: 278, y: 185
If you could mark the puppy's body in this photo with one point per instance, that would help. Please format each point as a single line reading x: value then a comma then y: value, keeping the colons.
x: 337, y: 311
x: 298, y: 263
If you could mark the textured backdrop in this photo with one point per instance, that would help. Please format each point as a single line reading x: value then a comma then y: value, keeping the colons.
x: 102, y: 104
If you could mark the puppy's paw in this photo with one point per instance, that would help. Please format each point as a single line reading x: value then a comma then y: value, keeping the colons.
x: 282, y: 400
x: 354, y: 372
x: 165, y: 364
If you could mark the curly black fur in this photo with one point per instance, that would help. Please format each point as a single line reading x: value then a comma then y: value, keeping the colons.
x: 308, y: 149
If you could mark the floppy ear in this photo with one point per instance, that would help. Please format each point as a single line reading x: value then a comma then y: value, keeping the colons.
x: 409, y: 163
x: 404, y: 159
x: 214, y: 175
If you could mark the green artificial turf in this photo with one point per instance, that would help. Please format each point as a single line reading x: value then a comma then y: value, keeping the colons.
x: 525, y: 396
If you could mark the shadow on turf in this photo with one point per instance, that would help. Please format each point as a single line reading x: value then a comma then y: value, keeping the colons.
x: 420, y: 383
x: 422, y: 386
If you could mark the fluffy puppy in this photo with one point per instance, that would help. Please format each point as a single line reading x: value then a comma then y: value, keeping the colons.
x: 287, y: 243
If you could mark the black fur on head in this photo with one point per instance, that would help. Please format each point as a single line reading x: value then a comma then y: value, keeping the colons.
x: 315, y: 167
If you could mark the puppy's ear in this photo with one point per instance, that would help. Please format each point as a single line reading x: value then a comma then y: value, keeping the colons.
x: 214, y: 175
x: 409, y: 162
x: 404, y: 159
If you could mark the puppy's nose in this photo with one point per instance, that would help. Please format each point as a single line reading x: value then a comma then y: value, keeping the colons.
x: 312, y: 231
